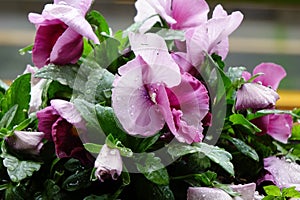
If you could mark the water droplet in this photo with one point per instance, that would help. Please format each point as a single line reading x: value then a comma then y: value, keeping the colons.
x: 113, y: 152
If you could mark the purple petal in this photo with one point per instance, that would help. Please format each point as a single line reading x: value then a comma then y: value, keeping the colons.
x: 246, y: 191
x: 284, y: 173
x: 246, y: 75
x: 255, y: 96
x: 132, y: 103
x: 71, y: 17
x: 280, y: 127
x: 26, y: 142
x: 192, y: 99
x: 186, y: 133
x: 47, y: 117
x: 68, y: 111
x: 189, y: 15
x: 67, y: 142
x: 108, y: 162
x: 189, y: 104
x: 205, y: 193
x: 197, y: 44
x: 83, y: 5
x: 272, y: 74
x: 67, y: 49
x: 144, y: 11
x: 153, y: 49
x: 163, y: 8
x: 45, y: 38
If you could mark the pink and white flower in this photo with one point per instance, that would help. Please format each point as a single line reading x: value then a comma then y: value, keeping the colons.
x: 60, y: 31
x: 151, y: 91
x: 108, y: 164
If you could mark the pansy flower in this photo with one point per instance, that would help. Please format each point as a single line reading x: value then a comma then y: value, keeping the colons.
x: 179, y: 14
x: 60, y: 31
x: 212, y: 36
x: 62, y: 124
x: 108, y: 164
x: 151, y: 91
x: 281, y: 172
x: 261, y: 94
x: 26, y: 142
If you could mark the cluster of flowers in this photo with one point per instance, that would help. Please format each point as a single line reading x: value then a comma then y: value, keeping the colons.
x: 100, y: 106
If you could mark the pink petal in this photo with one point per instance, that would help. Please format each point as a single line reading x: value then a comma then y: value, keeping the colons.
x: 285, y: 174
x: 191, y: 98
x: 71, y: 17
x: 68, y: 111
x: 153, y: 49
x: 144, y: 11
x: 67, y: 142
x: 186, y: 133
x: 26, y: 142
x: 246, y: 75
x: 273, y: 74
x: 189, y: 15
x: 47, y: 117
x: 131, y: 101
x: 190, y: 103
x: 67, y: 49
x: 83, y: 5
x: 280, y: 127
x: 255, y: 96
x: 45, y: 38
x: 163, y: 8
x: 197, y: 44
x: 108, y: 161
x: 205, y: 193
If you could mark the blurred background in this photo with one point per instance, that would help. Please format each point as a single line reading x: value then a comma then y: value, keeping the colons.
x: 270, y: 32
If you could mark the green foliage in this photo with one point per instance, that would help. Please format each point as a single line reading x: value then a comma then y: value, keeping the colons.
x: 17, y: 94
x: 214, y: 153
x: 273, y: 192
x: 17, y: 169
x: 152, y: 168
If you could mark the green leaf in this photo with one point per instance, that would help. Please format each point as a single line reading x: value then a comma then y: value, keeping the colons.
x: 216, y: 79
x: 197, y: 180
x: 87, y: 111
x: 244, y: 148
x: 214, y: 153
x: 8, y: 117
x: 94, y: 197
x: 108, y: 122
x: 235, y: 73
x: 239, y: 119
x: 169, y: 34
x: 26, y: 49
x: 99, y: 23
x: 272, y: 190
x: 3, y: 86
x: 290, y: 192
x: 55, y: 90
x: 65, y: 75
x: 16, y: 169
x: 147, y: 190
x: 295, y: 132
x: 77, y: 181
x: 152, y: 168
x: 123, y: 40
x: 117, y: 144
x: 93, y: 148
x: 18, y: 94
